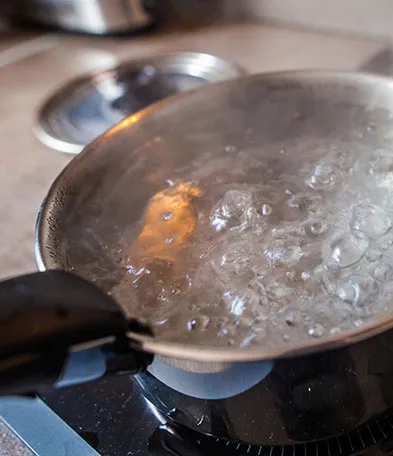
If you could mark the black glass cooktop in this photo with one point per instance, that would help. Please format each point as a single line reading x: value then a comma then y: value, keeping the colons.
x: 112, y: 418
x: 111, y: 415
x: 115, y: 419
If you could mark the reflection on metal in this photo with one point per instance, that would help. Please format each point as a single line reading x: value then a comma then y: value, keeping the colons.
x: 161, y: 418
x: 45, y: 433
x: 90, y: 105
x: 98, y: 17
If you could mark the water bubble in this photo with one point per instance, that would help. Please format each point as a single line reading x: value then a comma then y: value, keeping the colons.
x: 328, y: 310
x: 291, y: 275
x: 348, y: 292
x: 348, y: 250
x: 277, y: 292
x: 278, y: 289
x: 344, y: 159
x: 297, y: 206
x: 357, y: 289
x: 371, y: 220
x: 316, y: 331
x: 379, y: 172
x: 380, y: 163
x: 292, y: 317
x: 230, y: 148
x: 234, y: 264
x: 191, y: 325
x: 281, y: 252
x: 383, y: 272
x: 371, y: 128
x: 317, y: 228
x: 384, y: 245
x: 253, y: 338
x: 305, y: 275
x: 233, y: 210
x: 266, y: 209
x: 167, y: 215
x: 325, y: 176
x: 373, y: 255
x: 240, y: 301
x: 315, y: 209
x: 199, y: 323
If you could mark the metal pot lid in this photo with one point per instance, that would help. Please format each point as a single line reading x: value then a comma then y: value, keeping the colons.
x: 90, y: 105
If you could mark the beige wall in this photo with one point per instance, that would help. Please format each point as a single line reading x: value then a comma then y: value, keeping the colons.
x: 365, y: 17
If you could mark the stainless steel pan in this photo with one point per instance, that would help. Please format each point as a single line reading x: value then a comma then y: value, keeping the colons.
x: 253, y: 394
x: 75, y: 223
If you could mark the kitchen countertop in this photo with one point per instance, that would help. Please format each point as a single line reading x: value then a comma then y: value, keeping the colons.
x: 11, y: 445
x: 32, y: 66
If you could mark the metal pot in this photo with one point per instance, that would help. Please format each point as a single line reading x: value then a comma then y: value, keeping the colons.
x: 257, y: 395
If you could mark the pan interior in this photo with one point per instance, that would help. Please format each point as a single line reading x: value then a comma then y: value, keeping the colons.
x: 285, y: 182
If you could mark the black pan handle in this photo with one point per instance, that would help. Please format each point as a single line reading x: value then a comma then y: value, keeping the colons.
x: 57, y: 329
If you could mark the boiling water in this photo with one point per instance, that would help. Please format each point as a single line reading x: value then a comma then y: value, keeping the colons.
x: 266, y: 248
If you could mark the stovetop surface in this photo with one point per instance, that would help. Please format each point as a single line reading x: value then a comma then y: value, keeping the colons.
x: 111, y: 415
x: 115, y: 419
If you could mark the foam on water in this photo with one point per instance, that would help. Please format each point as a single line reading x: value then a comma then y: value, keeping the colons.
x: 283, y: 246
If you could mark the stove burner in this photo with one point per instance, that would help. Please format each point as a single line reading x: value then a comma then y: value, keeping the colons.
x: 90, y: 105
x: 116, y: 419
x: 172, y: 440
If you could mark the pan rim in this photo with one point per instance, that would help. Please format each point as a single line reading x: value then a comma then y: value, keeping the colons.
x: 214, y: 354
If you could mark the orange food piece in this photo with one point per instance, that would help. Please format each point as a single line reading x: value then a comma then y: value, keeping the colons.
x: 169, y: 220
